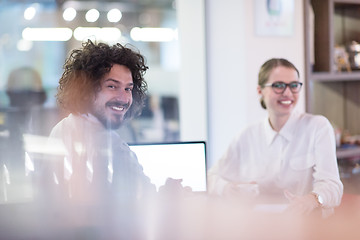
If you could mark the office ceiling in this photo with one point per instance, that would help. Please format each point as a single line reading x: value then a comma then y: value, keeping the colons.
x: 163, y: 3
x: 167, y: 4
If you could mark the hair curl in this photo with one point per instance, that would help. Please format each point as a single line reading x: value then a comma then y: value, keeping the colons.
x: 266, y: 69
x: 84, y: 69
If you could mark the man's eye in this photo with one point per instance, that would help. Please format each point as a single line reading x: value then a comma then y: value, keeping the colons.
x: 129, y: 89
x: 111, y: 86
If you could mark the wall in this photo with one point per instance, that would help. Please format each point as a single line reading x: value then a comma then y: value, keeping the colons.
x: 192, y: 77
x: 234, y: 56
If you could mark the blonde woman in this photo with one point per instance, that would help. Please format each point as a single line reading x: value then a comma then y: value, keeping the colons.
x: 290, y: 156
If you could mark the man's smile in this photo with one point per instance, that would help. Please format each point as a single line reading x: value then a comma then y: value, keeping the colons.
x: 118, y: 106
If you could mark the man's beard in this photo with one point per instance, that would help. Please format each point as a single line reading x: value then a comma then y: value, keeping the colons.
x: 111, y: 124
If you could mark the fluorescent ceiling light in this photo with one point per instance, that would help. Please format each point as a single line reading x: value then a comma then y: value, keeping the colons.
x: 24, y: 45
x: 114, y: 15
x: 29, y: 13
x: 47, y: 34
x: 153, y: 34
x: 69, y: 14
x: 110, y: 34
x: 92, y: 15
x: 84, y: 33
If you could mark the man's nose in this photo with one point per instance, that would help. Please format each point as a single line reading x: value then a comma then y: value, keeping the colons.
x: 123, y: 95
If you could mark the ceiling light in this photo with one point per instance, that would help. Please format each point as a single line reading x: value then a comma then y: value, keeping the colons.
x: 24, y: 45
x: 84, y: 33
x: 69, y: 14
x: 47, y: 34
x: 29, y: 13
x: 114, y: 15
x: 110, y: 34
x: 92, y: 15
x: 153, y: 34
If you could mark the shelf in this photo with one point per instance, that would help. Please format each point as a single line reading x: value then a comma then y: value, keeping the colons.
x: 335, y: 77
x: 348, y: 152
x: 333, y: 94
x: 346, y: 1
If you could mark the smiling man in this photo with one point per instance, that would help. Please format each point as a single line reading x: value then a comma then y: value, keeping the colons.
x: 115, y: 97
x: 97, y: 177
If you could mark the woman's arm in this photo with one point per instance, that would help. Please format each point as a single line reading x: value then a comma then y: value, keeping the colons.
x: 326, y: 175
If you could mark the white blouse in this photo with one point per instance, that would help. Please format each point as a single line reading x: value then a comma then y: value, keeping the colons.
x: 300, y: 158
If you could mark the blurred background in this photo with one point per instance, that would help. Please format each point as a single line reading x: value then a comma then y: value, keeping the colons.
x: 35, y: 39
x: 38, y: 36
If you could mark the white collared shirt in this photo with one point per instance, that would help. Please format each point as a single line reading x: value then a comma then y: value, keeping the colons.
x: 300, y: 158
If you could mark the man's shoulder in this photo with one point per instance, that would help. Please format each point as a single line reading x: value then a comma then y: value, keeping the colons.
x: 66, y: 124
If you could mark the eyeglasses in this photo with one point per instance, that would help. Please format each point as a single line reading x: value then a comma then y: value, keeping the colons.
x: 279, y: 87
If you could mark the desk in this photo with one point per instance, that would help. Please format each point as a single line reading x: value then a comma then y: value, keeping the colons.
x: 344, y: 224
x: 199, y: 218
x: 219, y: 220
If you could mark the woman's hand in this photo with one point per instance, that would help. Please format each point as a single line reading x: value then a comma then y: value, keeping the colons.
x: 302, y: 205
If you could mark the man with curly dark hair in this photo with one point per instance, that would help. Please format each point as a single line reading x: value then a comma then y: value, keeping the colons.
x: 83, y: 80
x: 101, y: 87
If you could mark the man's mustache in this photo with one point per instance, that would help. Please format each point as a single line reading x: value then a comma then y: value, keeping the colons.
x: 125, y: 105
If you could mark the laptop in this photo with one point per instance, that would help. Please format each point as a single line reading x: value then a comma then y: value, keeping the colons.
x: 177, y: 160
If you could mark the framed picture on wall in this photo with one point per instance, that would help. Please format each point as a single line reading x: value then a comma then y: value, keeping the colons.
x: 274, y: 17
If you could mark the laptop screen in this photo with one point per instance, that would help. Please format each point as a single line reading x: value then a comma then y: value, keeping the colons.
x: 179, y: 160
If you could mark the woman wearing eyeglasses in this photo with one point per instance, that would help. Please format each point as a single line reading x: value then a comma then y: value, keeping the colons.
x: 289, y: 157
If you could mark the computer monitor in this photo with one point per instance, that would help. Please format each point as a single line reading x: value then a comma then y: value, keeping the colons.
x: 177, y: 160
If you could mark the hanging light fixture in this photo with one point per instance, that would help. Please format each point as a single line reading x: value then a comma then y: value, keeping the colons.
x: 92, y: 15
x: 69, y: 14
x: 114, y: 15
